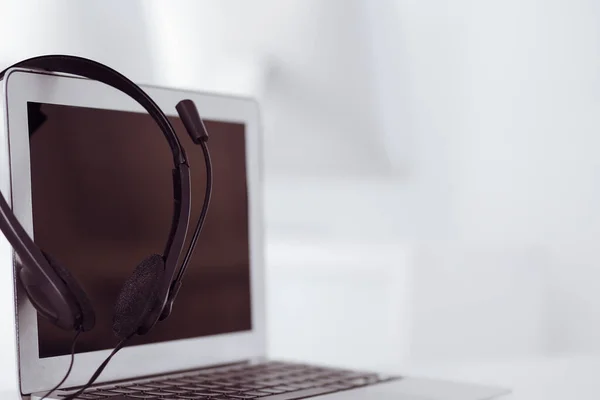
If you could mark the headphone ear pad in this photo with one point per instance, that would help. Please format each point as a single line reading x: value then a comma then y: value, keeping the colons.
x: 88, y: 316
x: 138, y: 296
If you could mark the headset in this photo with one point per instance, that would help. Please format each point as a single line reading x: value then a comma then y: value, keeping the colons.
x: 148, y: 295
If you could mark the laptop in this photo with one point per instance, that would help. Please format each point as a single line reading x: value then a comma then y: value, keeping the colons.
x: 99, y: 208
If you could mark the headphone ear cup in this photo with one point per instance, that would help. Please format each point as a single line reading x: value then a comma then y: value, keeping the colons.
x: 138, y: 296
x: 88, y: 316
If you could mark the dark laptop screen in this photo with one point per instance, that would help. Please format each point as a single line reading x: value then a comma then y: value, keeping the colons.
x: 102, y: 202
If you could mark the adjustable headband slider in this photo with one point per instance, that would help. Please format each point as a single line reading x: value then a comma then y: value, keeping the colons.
x: 191, y: 120
x: 173, y: 291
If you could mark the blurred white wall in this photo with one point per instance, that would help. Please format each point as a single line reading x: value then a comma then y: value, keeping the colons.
x: 112, y: 31
x: 462, y: 132
x: 512, y: 87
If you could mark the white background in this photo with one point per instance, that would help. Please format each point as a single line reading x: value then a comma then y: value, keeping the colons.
x: 432, y: 177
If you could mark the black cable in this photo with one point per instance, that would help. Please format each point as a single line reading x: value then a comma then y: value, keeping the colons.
x: 99, y: 369
x: 205, y: 204
x: 59, y: 384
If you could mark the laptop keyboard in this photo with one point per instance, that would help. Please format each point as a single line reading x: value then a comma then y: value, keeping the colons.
x: 265, y: 381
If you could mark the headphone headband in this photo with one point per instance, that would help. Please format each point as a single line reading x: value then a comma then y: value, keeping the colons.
x: 52, y: 297
x: 99, y: 72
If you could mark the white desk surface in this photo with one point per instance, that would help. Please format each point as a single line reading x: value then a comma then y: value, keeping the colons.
x: 539, y: 378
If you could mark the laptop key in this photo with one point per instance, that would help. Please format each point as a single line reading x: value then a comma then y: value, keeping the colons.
x: 273, y: 390
x: 238, y: 387
x: 187, y: 386
x: 224, y: 391
x: 120, y: 397
x: 106, y: 393
x: 302, y: 385
x: 299, y: 394
x: 138, y: 388
x: 125, y: 390
x: 253, y: 387
x: 256, y: 394
x: 157, y: 393
x: 227, y: 397
x: 338, y: 386
x: 285, y: 388
x: 176, y: 390
x: 265, y: 383
x: 158, y: 385
x: 184, y: 380
x: 276, y: 382
x: 207, y: 386
x: 222, y: 383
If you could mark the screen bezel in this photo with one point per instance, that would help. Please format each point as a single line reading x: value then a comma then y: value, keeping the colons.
x: 37, y: 374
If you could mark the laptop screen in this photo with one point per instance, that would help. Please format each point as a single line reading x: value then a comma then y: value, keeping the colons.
x: 102, y: 202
